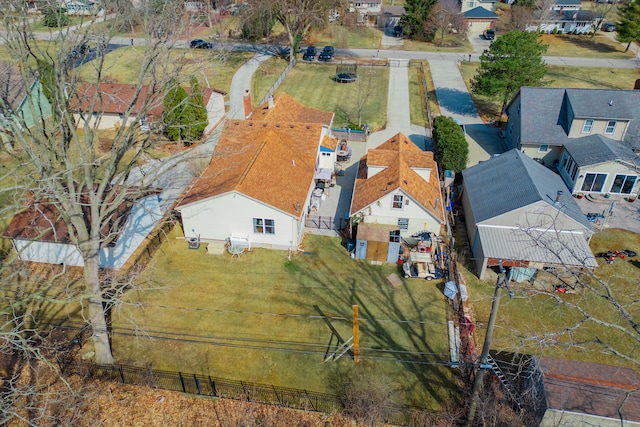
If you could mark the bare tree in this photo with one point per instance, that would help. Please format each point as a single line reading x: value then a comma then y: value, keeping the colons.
x: 58, y: 155
x: 443, y: 18
x: 601, y: 11
x: 520, y: 18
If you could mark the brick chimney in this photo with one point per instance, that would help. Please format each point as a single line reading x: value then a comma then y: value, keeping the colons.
x: 248, y: 110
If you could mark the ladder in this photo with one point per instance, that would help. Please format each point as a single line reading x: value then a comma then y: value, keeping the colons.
x: 512, y: 393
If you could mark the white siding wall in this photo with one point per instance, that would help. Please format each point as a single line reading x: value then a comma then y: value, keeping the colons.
x: 419, y: 220
x: 51, y: 253
x: 326, y: 160
x: 233, y: 213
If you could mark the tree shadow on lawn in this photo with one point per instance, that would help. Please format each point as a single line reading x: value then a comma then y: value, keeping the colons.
x: 587, y: 43
x: 383, y: 320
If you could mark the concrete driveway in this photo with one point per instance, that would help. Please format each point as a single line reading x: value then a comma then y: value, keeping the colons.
x: 455, y: 101
x: 477, y: 41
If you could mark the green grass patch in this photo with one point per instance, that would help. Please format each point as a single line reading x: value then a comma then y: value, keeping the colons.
x: 312, y: 85
x: 584, y: 46
x: 212, y: 67
x: 342, y: 37
x: 265, y: 77
x: 451, y: 43
x: 38, y: 24
x: 525, y: 316
x: 264, y: 318
x: 417, y: 104
x: 558, y: 76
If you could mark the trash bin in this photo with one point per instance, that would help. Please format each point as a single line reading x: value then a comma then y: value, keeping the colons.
x: 351, y: 245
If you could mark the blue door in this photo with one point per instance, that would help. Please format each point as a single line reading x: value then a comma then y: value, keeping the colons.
x: 361, y: 249
x: 393, y: 252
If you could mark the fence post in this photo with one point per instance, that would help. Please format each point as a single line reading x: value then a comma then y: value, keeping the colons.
x: 197, y: 384
x: 213, y: 387
x: 121, y: 373
x: 184, y: 390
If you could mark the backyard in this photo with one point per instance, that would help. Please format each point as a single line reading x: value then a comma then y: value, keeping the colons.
x: 267, y: 319
x: 312, y: 85
x: 525, y: 316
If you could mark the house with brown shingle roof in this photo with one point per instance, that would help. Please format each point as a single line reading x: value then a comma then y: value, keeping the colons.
x: 258, y: 184
x: 283, y: 108
x: 574, y: 393
x: 112, y: 102
x: 397, y: 189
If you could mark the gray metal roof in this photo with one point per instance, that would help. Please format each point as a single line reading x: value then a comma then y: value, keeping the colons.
x: 512, y: 181
x: 544, y: 246
x: 565, y: 3
x: 597, y: 149
x: 544, y: 112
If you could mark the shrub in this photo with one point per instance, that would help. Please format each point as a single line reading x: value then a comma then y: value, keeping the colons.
x: 451, y: 144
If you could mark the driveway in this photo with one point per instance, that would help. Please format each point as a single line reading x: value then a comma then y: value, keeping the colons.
x: 455, y: 101
x: 477, y: 41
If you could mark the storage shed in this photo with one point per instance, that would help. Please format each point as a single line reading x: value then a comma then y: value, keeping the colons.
x: 378, y: 242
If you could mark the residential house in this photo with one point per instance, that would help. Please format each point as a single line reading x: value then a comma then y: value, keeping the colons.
x: 480, y: 18
x: 518, y: 212
x: 38, y: 233
x: 257, y: 186
x: 466, y: 5
x: 548, y: 124
x: 20, y: 102
x: 574, y: 393
x: 564, y: 21
x: 368, y: 11
x: 396, y: 194
x: 80, y: 7
x: 391, y: 16
x: 562, y: 5
x: 113, y: 100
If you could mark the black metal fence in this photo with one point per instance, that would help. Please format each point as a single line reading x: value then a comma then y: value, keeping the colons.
x: 325, y: 222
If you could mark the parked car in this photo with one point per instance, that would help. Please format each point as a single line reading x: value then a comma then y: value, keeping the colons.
x: 309, y: 54
x: 200, y: 44
x: 80, y: 49
x: 609, y: 27
x: 489, y: 34
x: 326, y: 54
x: 397, y: 31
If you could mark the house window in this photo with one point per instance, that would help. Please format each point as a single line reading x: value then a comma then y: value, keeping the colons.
x: 398, y: 201
x: 594, y: 182
x: 573, y: 172
x: 611, y: 127
x: 543, y: 148
x: 623, y: 184
x: 588, y: 125
x: 264, y: 226
x: 394, y: 236
x: 324, y: 153
x: 121, y: 116
x: 403, y: 223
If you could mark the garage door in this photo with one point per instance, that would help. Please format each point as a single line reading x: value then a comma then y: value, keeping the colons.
x: 479, y: 26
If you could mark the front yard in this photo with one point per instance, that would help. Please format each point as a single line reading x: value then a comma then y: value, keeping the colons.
x: 264, y: 318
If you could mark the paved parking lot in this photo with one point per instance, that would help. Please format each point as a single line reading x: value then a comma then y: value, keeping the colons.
x: 618, y: 212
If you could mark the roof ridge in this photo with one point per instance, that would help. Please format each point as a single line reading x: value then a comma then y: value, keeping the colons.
x: 253, y: 160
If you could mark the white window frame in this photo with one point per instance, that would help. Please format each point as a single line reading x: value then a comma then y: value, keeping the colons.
x: 403, y: 223
x: 587, y: 126
x: 397, y: 201
x: 545, y: 150
x: 264, y: 226
x: 611, y: 124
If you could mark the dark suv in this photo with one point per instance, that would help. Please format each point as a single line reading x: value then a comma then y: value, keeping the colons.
x: 326, y: 54
x: 489, y: 34
x: 200, y: 44
x: 80, y: 49
x: 309, y: 54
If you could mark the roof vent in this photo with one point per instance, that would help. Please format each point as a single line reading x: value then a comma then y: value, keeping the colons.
x: 264, y: 125
x: 277, y: 125
x: 250, y: 123
x: 611, y: 103
x: 558, y: 196
x: 291, y: 126
x: 293, y: 162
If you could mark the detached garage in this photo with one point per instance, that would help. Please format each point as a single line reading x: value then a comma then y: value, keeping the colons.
x: 479, y: 19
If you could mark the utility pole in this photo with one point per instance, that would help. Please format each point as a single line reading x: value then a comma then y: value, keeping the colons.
x: 484, y: 365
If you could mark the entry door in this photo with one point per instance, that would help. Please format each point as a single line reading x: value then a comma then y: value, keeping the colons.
x: 377, y: 251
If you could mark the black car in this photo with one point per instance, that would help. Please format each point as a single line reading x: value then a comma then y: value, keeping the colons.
x: 397, y: 31
x: 326, y: 54
x: 489, y: 34
x: 609, y: 27
x: 80, y: 49
x: 201, y: 44
x: 309, y: 54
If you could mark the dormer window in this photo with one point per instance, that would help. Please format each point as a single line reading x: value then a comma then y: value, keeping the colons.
x: 588, y: 125
x: 611, y: 127
x: 398, y: 201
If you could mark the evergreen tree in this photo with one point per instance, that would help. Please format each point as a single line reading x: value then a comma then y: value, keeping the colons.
x: 452, y: 146
x: 194, y: 117
x: 512, y: 61
x: 628, y: 27
x: 413, y: 21
x: 175, y: 100
x: 55, y: 17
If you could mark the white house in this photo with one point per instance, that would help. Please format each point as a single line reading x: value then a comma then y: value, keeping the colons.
x: 258, y: 185
x: 369, y: 11
x: 397, y: 189
x: 113, y: 99
x: 38, y: 234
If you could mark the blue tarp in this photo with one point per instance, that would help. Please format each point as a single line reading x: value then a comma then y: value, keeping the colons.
x: 450, y: 289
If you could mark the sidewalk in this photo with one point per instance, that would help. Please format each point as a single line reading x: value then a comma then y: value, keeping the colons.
x: 241, y: 82
x: 455, y: 101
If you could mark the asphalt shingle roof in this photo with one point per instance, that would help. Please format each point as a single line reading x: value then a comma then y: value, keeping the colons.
x: 512, y: 181
x: 597, y: 149
x: 544, y: 112
x: 480, y: 12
